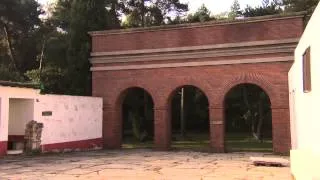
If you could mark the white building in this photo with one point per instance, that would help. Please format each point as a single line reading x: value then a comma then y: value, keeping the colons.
x: 304, y: 87
x: 69, y: 122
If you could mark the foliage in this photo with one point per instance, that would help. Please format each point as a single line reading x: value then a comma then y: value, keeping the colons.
x: 235, y: 10
x: 300, y: 5
x: 86, y: 16
x: 201, y: 15
x: 266, y: 9
x: 52, y: 79
x: 141, y: 13
x: 61, y: 14
x: 7, y: 75
x: 19, y: 24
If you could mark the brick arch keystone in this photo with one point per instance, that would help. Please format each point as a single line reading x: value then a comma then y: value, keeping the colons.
x: 250, y: 78
x: 118, y: 96
x: 202, y: 84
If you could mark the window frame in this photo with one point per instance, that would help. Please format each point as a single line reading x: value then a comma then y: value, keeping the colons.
x: 306, y: 70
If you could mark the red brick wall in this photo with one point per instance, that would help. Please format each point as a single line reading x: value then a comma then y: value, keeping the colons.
x: 194, y: 36
x: 3, y: 148
x: 214, y: 81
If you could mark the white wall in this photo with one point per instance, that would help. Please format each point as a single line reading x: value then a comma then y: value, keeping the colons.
x: 5, y: 94
x: 73, y: 118
x: 305, y: 108
x: 21, y: 111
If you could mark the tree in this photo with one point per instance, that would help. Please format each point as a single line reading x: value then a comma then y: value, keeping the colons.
x: 61, y: 14
x: 86, y: 15
x: 51, y: 72
x: 234, y: 10
x: 19, y: 24
x: 266, y: 9
x: 113, y: 9
x: 201, y: 15
x: 300, y: 5
x: 141, y: 13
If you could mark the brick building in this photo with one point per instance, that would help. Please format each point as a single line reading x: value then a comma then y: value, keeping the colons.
x: 213, y: 56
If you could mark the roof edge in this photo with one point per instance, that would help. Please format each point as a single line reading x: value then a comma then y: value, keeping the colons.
x: 29, y: 85
x: 203, y: 24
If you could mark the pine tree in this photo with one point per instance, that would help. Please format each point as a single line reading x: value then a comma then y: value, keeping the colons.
x: 86, y: 15
x: 300, y: 5
x: 141, y: 13
x: 234, y: 10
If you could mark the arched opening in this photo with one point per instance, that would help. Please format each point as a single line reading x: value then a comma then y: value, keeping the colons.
x: 137, y: 119
x: 189, y: 119
x: 248, y: 119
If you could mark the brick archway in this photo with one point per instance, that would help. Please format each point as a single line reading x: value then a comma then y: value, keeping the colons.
x: 219, y: 56
x: 203, y: 88
x: 277, y: 119
x: 112, y: 124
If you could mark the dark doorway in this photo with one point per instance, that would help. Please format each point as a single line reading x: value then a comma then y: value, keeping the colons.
x: 190, y: 119
x: 138, y: 119
x: 248, y: 119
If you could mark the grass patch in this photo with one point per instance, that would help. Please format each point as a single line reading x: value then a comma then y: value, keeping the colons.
x: 235, y: 142
x: 192, y: 141
x: 244, y: 142
x: 132, y: 143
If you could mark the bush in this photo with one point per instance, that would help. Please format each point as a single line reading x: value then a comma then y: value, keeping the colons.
x: 7, y: 75
x: 52, y: 79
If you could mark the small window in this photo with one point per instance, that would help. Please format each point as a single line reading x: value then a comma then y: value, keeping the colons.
x: 306, y: 71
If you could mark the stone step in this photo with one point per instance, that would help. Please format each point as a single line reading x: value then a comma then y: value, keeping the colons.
x: 266, y: 161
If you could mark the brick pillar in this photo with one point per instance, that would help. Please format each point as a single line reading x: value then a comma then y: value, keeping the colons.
x: 281, y: 130
x: 3, y: 148
x: 217, y: 129
x: 112, y: 128
x: 162, y: 128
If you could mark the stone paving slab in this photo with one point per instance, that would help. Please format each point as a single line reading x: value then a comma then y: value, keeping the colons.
x: 139, y: 164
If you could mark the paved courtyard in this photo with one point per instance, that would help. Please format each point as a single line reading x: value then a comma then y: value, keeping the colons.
x: 139, y: 164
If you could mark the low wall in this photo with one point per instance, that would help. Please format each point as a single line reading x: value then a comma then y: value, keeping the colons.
x: 70, y: 122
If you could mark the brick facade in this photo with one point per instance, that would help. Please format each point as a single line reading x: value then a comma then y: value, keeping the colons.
x: 161, y: 79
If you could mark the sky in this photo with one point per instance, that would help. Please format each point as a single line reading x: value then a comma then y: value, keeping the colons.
x: 215, y: 6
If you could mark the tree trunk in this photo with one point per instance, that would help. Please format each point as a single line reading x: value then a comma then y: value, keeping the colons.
x: 260, y: 122
x: 41, y: 58
x: 114, y: 18
x: 10, y: 48
x: 249, y: 111
x: 182, y: 118
x: 145, y: 109
x: 143, y: 23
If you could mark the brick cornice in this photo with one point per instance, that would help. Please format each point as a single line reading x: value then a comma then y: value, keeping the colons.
x: 251, y: 45
x: 157, y: 56
x: 192, y: 64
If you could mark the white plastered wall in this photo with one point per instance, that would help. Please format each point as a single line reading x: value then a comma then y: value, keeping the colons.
x: 73, y: 118
x: 304, y: 107
x: 5, y: 94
